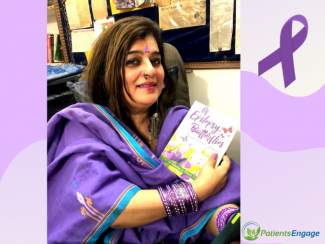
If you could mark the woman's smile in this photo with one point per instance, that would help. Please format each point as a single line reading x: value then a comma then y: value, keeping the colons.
x: 148, y: 86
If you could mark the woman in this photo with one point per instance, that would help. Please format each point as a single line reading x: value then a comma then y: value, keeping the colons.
x: 103, y: 166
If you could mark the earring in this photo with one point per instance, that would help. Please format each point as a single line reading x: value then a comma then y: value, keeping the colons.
x: 154, y: 122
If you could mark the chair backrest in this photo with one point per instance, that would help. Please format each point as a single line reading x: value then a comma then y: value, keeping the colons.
x: 174, y: 58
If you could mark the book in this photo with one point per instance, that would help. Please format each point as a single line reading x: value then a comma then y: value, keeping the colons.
x: 52, y: 48
x: 57, y: 49
x: 49, y: 46
x: 203, y: 132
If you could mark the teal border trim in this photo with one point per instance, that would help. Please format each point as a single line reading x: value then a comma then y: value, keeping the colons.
x: 109, y: 236
x: 115, y: 213
x: 199, y: 227
x: 136, y: 146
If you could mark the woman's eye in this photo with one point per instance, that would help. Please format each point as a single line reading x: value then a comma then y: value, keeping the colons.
x: 133, y: 62
x: 156, y: 62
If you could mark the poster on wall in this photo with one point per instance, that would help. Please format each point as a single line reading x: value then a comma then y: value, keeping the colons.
x: 182, y: 14
x: 78, y: 14
x: 82, y: 40
x: 237, y: 40
x: 221, y: 24
x: 99, y: 8
x: 121, y: 6
x: 101, y: 25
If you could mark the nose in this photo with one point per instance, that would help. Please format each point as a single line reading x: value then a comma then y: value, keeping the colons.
x: 149, y: 69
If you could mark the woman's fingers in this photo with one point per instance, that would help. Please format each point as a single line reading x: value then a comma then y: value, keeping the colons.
x: 225, y: 164
x: 212, y: 160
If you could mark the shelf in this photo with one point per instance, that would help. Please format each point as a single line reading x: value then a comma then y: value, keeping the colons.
x: 56, y: 63
x: 50, y: 7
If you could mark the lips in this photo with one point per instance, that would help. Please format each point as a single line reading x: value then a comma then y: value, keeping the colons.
x: 147, y: 84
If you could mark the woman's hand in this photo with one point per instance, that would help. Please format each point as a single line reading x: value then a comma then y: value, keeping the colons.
x: 211, y: 179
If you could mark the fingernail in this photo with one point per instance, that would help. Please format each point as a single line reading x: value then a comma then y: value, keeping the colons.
x: 214, y: 156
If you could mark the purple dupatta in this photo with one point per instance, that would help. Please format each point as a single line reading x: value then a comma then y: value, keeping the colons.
x: 96, y: 165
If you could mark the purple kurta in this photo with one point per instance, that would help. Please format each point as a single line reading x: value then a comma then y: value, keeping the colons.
x: 96, y: 165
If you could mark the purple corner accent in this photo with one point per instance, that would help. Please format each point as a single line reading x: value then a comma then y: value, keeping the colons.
x: 284, y: 54
x: 23, y: 100
x: 278, y: 121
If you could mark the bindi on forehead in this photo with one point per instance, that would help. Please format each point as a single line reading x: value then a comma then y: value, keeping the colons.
x: 147, y: 50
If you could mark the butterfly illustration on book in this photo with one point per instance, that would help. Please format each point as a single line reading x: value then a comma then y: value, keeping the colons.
x: 184, y: 138
x: 222, y: 136
x: 226, y: 130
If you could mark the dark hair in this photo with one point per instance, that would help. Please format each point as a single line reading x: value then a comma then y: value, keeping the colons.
x: 106, y: 80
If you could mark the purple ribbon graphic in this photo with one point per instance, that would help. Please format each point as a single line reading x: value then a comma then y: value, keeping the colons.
x: 284, y: 54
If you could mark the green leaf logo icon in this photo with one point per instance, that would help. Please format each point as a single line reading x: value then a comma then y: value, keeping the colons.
x: 251, y: 231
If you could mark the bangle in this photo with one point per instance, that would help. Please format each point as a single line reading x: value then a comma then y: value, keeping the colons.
x: 189, y: 199
x: 164, y: 200
x: 173, y: 200
x: 224, y: 216
x: 178, y: 199
x: 191, y: 191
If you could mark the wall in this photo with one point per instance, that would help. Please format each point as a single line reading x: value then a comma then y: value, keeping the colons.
x: 219, y: 89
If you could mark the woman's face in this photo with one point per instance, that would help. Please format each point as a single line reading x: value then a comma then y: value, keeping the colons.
x: 144, y: 90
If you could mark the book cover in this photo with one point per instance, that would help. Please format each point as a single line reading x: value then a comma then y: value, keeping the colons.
x: 52, y: 47
x: 49, y: 53
x: 57, y: 48
x: 203, y: 132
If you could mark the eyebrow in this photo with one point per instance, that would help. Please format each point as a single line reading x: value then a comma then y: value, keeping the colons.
x: 140, y: 52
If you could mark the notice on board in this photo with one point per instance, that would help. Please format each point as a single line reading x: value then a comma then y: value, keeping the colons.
x: 221, y: 24
x: 99, y: 8
x: 82, y: 40
x: 78, y: 14
x: 101, y: 25
x: 182, y: 14
x: 237, y: 39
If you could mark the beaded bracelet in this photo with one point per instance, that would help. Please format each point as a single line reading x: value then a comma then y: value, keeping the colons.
x: 178, y: 199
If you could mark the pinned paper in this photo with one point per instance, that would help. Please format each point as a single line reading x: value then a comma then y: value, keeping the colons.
x: 78, y: 14
x: 82, y: 40
x: 116, y: 6
x: 99, y: 8
x: 221, y: 24
x: 101, y: 25
x: 237, y: 39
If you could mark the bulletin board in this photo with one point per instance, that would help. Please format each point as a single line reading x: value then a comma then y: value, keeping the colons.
x: 192, y: 42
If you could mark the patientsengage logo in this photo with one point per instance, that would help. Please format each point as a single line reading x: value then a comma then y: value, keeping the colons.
x: 251, y: 231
